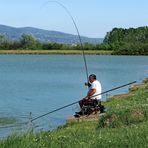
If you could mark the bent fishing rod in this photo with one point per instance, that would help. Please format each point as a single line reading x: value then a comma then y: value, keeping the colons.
x: 78, y: 33
x: 60, y: 108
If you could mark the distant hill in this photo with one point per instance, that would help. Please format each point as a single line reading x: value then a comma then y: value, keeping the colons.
x: 45, y: 35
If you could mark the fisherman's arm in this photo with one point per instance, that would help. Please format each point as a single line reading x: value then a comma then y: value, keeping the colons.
x: 90, y: 94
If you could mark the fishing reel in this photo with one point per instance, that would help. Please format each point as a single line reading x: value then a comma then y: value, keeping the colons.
x: 87, y: 84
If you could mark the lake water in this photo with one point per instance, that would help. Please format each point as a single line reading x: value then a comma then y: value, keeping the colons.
x: 42, y: 83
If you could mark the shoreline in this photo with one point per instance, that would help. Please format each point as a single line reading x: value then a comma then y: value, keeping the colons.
x: 61, y: 52
x: 95, y: 117
x: 131, y: 91
x: 55, y: 52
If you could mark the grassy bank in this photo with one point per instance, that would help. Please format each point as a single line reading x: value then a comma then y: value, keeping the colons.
x: 124, y: 125
x: 56, y: 52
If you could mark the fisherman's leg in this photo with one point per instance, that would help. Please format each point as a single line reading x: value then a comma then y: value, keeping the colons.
x: 102, y: 108
x: 82, y: 103
x: 99, y: 103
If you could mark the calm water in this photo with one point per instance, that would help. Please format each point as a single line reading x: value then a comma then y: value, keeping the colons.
x: 39, y: 84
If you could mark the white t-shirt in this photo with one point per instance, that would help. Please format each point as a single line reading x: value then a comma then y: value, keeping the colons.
x: 96, y: 85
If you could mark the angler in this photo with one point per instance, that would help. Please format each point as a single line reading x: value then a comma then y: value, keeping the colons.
x: 91, y: 101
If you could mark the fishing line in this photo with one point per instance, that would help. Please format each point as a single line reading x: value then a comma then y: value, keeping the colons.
x: 78, y: 33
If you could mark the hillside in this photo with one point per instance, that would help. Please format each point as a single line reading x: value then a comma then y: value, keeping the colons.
x: 45, y: 35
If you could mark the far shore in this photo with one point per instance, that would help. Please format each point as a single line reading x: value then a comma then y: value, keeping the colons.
x: 56, y: 52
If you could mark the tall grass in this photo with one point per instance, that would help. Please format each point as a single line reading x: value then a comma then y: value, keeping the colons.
x: 123, y: 112
x: 82, y: 135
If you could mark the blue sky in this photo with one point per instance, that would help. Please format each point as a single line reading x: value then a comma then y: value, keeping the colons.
x: 93, y: 17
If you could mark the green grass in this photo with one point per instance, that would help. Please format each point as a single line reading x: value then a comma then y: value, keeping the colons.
x: 86, y: 135
x: 57, y: 52
x: 124, y: 125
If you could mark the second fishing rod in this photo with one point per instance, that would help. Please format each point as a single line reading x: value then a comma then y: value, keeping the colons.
x: 60, y: 108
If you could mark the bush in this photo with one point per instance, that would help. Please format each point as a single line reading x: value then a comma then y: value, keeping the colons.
x: 124, y: 117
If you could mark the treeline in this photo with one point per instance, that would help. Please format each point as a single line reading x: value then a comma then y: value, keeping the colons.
x: 29, y: 42
x: 128, y: 41
x: 132, y: 41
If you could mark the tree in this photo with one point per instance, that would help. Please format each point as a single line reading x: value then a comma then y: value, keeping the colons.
x: 4, y: 42
x: 128, y: 41
x: 2, y: 38
x: 28, y: 41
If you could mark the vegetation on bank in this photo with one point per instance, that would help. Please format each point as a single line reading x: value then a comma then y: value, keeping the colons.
x: 29, y: 42
x: 56, y: 52
x: 119, y: 41
x: 125, y: 124
x: 132, y: 41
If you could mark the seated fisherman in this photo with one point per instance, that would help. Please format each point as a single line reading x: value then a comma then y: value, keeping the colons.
x: 92, y: 95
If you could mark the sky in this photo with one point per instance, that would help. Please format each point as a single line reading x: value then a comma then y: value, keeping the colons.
x: 94, y: 18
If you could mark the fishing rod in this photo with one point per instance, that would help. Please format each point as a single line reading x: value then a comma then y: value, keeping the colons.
x: 60, y: 108
x: 78, y: 33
